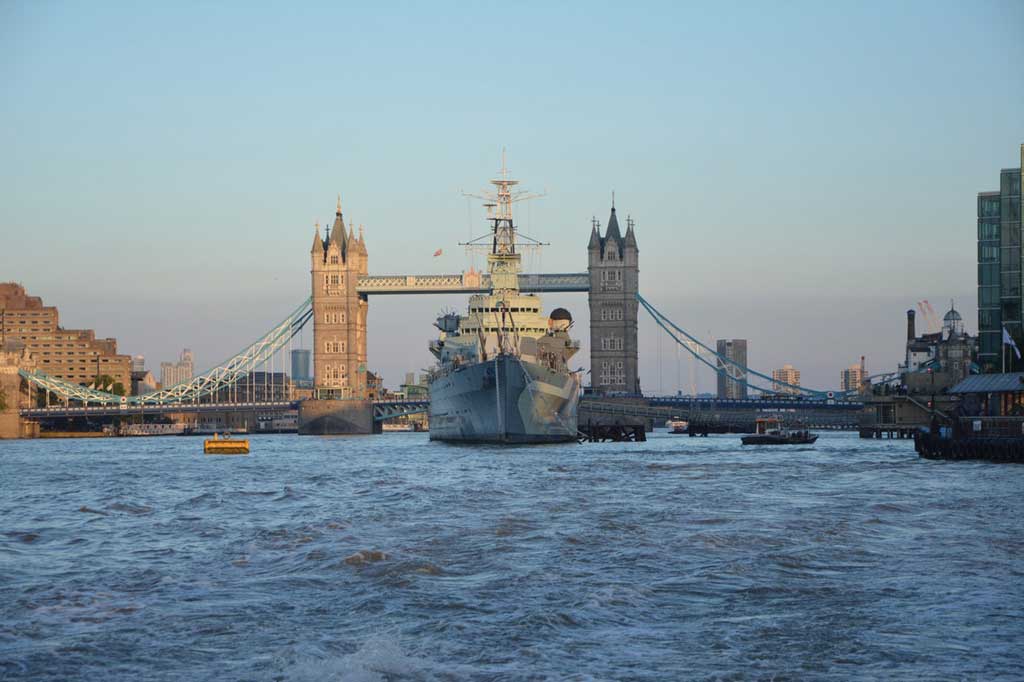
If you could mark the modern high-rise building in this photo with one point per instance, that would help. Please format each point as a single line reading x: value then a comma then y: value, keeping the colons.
x: 174, y: 373
x: 138, y: 363
x: 613, y: 264
x: 851, y: 378
x: 999, y: 271
x: 74, y: 355
x: 732, y: 377
x: 788, y: 374
x: 300, y: 366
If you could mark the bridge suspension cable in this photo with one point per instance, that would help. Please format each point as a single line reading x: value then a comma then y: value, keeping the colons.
x: 734, y: 370
x: 223, y: 376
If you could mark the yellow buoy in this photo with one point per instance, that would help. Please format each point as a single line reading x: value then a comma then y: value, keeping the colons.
x: 226, y: 446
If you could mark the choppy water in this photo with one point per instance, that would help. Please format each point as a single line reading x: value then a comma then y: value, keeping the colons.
x: 679, y: 558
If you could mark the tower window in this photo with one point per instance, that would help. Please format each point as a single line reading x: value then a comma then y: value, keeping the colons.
x: 334, y: 260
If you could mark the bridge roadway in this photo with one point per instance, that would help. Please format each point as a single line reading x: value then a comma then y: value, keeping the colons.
x: 382, y: 409
x: 813, y: 413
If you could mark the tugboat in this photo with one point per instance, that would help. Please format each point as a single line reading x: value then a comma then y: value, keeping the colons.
x: 502, y: 373
x: 770, y: 431
x: 677, y: 425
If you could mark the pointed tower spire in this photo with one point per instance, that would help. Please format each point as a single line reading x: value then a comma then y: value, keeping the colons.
x: 351, y: 232
x: 318, y: 242
x: 630, y: 239
x: 338, y: 231
x: 595, y: 236
x: 361, y: 241
x: 613, y: 227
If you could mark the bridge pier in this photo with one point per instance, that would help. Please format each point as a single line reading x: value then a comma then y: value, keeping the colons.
x: 13, y: 398
x: 337, y: 418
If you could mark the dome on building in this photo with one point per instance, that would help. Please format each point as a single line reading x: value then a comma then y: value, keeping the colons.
x: 952, y: 322
x: 561, y: 314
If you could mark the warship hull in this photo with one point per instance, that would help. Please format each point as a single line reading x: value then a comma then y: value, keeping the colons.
x: 504, y: 400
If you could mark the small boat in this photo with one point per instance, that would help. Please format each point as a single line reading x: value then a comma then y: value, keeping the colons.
x: 226, y: 446
x: 770, y: 431
x: 677, y: 425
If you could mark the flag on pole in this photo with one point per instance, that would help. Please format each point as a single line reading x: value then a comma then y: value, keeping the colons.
x: 1008, y: 341
x: 437, y: 253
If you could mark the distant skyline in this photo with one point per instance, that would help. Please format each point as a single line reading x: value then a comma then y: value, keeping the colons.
x: 800, y: 175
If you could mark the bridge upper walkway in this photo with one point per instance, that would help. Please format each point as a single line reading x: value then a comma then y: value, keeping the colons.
x: 469, y: 283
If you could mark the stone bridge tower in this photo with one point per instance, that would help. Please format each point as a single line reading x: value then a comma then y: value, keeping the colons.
x: 612, y: 262
x: 339, y: 313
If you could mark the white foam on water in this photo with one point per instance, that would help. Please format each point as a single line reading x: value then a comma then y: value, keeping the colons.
x: 379, y: 659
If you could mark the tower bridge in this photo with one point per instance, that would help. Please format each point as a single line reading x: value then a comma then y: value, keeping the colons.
x: 341, y: 288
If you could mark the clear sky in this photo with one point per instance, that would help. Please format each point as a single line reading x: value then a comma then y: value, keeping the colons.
x: 801, y: 173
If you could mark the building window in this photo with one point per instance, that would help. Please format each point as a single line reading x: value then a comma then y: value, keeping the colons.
x: 335, y: 280
x: 988, y: 230
x: 988, y: 207
x: 334, y: 260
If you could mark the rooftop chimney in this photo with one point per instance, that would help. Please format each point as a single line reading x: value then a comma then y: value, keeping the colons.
x: 911, y: 334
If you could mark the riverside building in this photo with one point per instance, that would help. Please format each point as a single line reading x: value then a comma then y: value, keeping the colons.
x: 174, y: 373
x: 788, y: 374
x: 74, y: 355
x: 851, y: 378
x: 1000, y: 272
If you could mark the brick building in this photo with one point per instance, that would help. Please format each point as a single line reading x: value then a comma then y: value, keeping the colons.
x: 74, y: 355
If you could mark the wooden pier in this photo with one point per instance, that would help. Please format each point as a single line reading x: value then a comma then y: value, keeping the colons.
x: 615, y: 433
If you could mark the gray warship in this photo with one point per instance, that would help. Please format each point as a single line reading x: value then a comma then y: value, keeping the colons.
x: 502, y: 373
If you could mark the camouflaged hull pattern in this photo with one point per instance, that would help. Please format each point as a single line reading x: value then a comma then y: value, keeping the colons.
x: 504, y: 400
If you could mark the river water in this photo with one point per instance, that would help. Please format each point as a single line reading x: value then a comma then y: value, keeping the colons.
x: 675, y: 559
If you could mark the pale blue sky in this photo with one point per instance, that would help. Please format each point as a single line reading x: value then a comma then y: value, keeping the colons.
x: 800, y: 173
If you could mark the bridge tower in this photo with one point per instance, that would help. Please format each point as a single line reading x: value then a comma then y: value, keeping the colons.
x: 339, y: 313
x: 613, y: 265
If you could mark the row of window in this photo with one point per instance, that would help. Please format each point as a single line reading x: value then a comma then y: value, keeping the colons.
x: 92, y: 355
x: 487, y: 330
x: 333, y: 280
x: 988, y: 230
x: 611, y: 313
x: 334, y: 317
x: 612, y: 343
x: 508, y: 310
x: 612, y: 373
x: 336, y: 375
x: 335, y: 346
x: 611, y: 275
x: 988, y: 295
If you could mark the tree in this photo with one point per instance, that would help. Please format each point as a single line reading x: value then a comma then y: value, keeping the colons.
x: 102, y: 380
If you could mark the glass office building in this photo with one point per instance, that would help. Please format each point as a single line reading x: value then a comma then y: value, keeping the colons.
x: 999, y: 272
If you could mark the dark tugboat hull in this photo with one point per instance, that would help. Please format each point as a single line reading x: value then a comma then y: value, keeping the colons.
x: 779, y: 440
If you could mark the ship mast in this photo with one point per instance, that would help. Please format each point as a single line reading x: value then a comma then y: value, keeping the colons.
x: 503, y: 262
